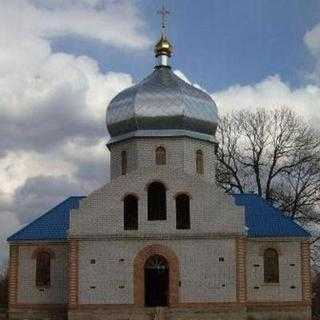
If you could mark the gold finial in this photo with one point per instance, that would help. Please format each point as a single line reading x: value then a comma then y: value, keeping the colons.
x: 163, y: 47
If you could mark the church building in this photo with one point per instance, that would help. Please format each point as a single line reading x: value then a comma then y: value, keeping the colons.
x: 161, y: 240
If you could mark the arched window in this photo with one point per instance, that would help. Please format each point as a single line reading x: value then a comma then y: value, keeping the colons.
x: 124, y: 162
x: 130, y: 212
x: 160, y: 156
x: 157, y: 207
x: 271, y: 266
x: 43, y: 269
x: 199, y: 162
x: 183, y: 211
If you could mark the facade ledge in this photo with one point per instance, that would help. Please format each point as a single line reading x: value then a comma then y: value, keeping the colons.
x: 157, y: 236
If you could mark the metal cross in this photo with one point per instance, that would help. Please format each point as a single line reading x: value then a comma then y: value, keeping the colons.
x: 163, y: 13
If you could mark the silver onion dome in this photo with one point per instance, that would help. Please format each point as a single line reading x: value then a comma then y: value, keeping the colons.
x: 162, y: 105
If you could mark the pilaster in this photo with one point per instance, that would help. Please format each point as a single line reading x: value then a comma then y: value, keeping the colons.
x: 241, y: 254
x: 305, y: 271
x: 13, y: 274
x: 73, y: 273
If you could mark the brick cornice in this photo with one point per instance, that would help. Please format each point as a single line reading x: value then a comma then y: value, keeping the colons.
x: 157, y: 236
x: 217, y: 306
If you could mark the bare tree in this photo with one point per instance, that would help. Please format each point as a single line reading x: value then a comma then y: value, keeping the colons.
x: 3, y: 287
x: 274, y: 153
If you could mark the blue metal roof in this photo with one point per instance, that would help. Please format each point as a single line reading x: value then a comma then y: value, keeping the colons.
x: 264, y: 220
x: 261, y: 218
x: 53, y: 225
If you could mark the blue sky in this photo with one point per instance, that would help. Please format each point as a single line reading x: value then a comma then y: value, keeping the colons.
x: 62, y: 61
x: 219, y: 43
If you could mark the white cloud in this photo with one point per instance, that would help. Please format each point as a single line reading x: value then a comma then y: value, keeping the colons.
x: 271, y: 92
x: 52, y: 104
x: 312, y: 40
x: 99, y: 20
x: 274, y: 92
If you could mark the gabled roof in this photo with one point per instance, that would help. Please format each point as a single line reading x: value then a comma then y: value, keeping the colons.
x: 261, y: 218
x: 53, y: 225
x: 264, y: 220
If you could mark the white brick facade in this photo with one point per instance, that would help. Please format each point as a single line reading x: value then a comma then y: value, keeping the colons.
x: 203, y: 277
x: 28, y: 291
x: 211, y: 210
x: 289, y: 286
x: 208, y: 254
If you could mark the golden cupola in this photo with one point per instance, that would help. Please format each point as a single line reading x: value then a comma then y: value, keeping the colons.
x: 163, y: 51
x: 163, y: 47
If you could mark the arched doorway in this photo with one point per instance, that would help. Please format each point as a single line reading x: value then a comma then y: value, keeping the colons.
x: 156, y: 280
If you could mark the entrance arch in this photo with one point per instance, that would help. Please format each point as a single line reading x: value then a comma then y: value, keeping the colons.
x: 142, y: 260
x: 156, y: 281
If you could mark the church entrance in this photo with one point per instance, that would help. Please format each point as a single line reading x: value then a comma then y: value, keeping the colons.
x: 156, y: 279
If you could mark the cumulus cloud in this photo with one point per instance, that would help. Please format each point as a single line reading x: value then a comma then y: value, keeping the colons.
x: 271, y: 92
x: 99, y: 20
x: 274, y: 92
x: 312, y: 41
x: 52, y: 104
x: 43, y: 192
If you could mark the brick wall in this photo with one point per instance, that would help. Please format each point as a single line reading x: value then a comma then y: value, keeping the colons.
x: 204, y: 276
x: 211, y: 210
x: 289, y: 287
x: 27, y: 292
x: 180, y: 154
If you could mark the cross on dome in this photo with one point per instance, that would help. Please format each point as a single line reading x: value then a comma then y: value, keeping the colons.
x: 163, y: 12
x: 163, y: 48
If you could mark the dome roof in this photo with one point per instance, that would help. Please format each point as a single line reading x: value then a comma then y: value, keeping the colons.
x: 162, y: 105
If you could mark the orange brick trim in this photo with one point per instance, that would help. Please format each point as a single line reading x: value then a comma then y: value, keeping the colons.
x: 305, y: 271
x: 138, y: 272
x: 241, y: 254
x: 13, y: 275
x: 73, y: 273
x: 42, y: 249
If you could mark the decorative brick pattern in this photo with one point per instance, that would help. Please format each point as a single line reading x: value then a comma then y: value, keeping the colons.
x: 73, y: 273
x: 13, y: 275
x: 305, y: 271
x: 241, y: 254
x: 174, y: 273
